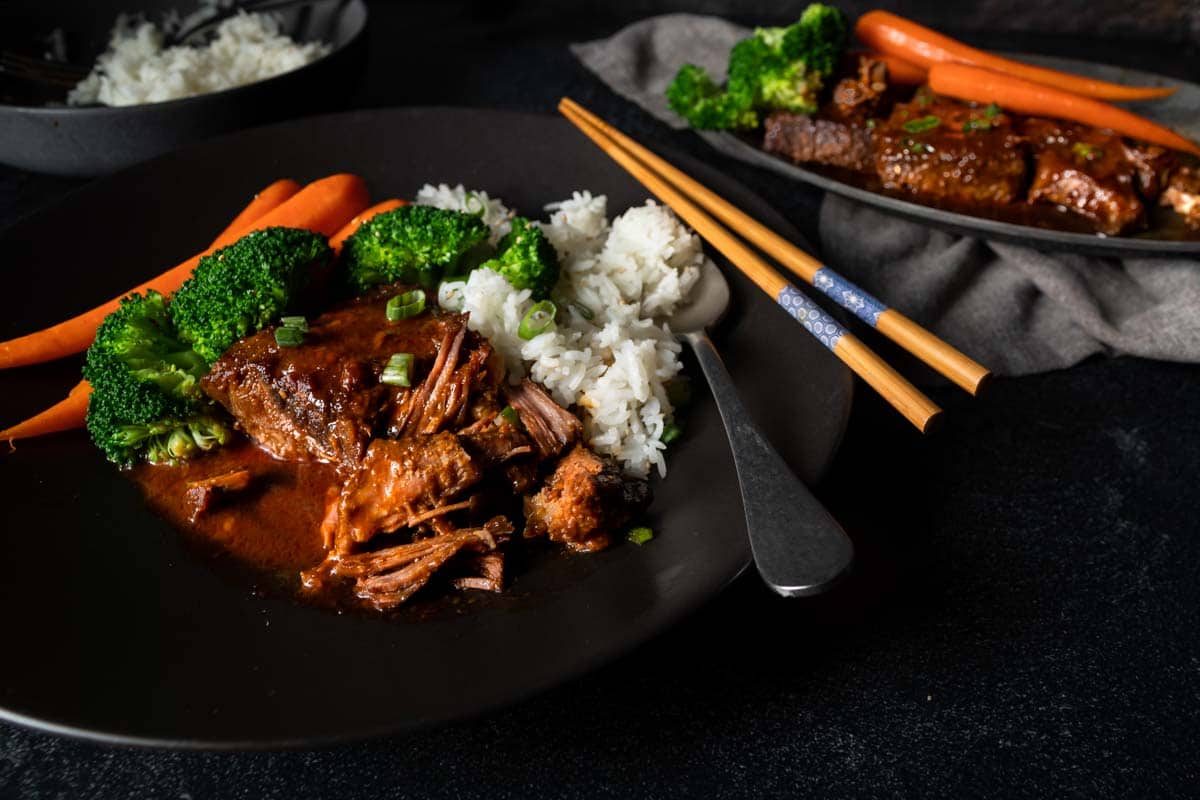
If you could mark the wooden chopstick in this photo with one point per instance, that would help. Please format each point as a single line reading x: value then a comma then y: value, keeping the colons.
x: 903, y: 396
x: 935, y: 352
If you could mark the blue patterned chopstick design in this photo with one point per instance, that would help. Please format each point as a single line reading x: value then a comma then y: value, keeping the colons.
x: 849, y: 296
x: 810, y: 315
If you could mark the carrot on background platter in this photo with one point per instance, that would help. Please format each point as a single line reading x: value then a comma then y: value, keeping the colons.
x: 65, y: 415
x: 323, y: 206
x: 902, y: 38
x: 979, y: 85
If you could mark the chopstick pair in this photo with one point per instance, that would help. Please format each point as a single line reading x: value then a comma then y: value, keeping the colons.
x: 658, y: 176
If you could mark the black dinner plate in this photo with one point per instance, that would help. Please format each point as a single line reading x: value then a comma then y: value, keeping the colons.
x: 116, y: 629
x: 1180, y: 111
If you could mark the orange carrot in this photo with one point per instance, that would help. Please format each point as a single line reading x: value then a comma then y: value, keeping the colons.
x: 70, y: 413
x: 323, y: 206
x: 1014, y: 94
x: 919, y: 45
x: 268, y: 199
x: 350, y: 227
x: 64, y: 415
x: 901, y: 72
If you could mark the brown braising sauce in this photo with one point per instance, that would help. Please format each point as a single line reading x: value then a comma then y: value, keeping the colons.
x: 273, y: 525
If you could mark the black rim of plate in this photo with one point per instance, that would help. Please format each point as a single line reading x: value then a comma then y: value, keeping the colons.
x: 803, y: 409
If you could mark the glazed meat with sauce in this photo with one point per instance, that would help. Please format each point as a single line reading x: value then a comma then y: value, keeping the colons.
x: 1088, y: 172
x: 834, y: 143
x: 426, y: 473
x: 943, y: 152
x: 583, y: 502
x: 980, y: 160
x: 321, y: 401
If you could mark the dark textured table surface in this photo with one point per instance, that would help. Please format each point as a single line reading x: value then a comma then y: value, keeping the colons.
x: 1025, y: 619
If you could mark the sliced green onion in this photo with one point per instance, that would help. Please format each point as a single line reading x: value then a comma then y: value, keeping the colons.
x: 671, y: 433
x: 991, y: 111
x: 976, y: 125
x: 913, y: 146
x: 537, y: 320
x: 871, y: 123
x: 299, y: 323
x: 398, y: 370
x: 288, y: 337
x: 639, y: 535
x: 1087, y: 151
x: 922, y: 124
x: 508, y: 414
x: 406, y: 305
x: 583, y: 311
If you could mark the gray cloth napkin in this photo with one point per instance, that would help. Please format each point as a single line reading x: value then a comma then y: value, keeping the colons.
x: 1015, y: 309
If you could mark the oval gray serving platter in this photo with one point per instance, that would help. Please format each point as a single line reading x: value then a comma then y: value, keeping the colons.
x: 1180, y: 111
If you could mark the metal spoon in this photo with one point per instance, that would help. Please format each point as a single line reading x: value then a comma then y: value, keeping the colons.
x: 798, y: 547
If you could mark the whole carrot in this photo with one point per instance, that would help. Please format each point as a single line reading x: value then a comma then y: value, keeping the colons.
x: 1036, y: 99
x: 70, y: 412
x: 919, y: 45
x: 268, y: 199
x: 323, y: 206
x: 64, y: 415
x: 350, y: 227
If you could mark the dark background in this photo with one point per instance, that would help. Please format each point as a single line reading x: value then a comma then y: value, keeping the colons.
x: 1025, y: 618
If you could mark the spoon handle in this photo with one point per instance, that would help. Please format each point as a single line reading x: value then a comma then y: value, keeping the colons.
x: 798, y: 547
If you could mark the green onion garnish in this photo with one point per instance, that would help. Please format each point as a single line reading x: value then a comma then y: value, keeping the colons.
x: 583, y: 311
x: 1087, y: 151
x: 976, y: 125
x: 922, y: 124
x: 406, y: 305
x: 397, y: 371
x: 871, y: 123
x: 537, y: 320
x: 288, y: 337
x: 639, y: 535
x: 671, y: 433
x: 508, y: 414
x: 299, y: 323
x: 991, y: 111
x: 913, y: 146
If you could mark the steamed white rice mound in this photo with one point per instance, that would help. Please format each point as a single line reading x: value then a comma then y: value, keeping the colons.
x: 137, y: 68
x: 611, y: 352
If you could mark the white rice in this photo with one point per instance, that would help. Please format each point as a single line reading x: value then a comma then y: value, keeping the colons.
x: 137, y: 68
x: 627, y: 276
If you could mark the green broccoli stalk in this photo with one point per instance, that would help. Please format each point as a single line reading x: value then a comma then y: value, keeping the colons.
x: 242, y: 288
x: 776, y: 69
x: 146, y: 403
x: 414, y: 244
x: 526, y: 259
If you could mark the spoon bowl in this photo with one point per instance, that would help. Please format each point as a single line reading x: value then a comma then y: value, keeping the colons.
x: 799, y: 549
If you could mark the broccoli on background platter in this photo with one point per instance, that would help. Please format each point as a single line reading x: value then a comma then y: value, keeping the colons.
x: 149, y: 355
x: 775, y: 69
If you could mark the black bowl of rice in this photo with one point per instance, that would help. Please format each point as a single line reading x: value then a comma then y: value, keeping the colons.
x: 146, y: 95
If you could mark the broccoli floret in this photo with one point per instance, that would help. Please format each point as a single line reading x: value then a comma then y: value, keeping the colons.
x: 526, y: 259
x: 414, y: 244
x: 776, y: 69
x: 242, y: 288
x: 817, y: 38
x: 693, y: 96
x: 146, y: 403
